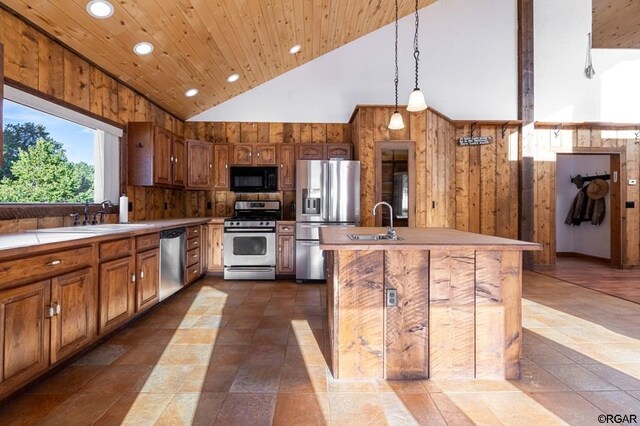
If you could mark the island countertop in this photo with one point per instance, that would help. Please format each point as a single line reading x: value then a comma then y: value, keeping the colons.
x: 337, y: 238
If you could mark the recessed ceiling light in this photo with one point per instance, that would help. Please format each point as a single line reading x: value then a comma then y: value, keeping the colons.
x: 191, y: 93
x: 233, y: 77
x: 100, y: 9
x: 143, y: 48
x: 295, y: 49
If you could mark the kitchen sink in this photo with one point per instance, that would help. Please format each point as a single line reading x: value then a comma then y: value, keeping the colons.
x: 370, y: 237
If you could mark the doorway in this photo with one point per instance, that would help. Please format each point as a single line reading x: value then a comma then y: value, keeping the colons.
x: 588, y: 211
x: 395, y: 182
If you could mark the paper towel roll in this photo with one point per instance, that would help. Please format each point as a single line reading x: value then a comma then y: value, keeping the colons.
x: 124, y: 209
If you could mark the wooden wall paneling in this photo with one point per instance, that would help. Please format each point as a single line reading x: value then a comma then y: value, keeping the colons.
x: 475, y: 190
x: 276, y: 132
x: 544, y: 198
x: 361, y: 306
x: 335, y: 133
x: 319, y: 133
x: 488, y: 160
x: 50, y: 67
x: 263, y: 133
x: 498, y: 328
x: 248, y: 132
x: 381, y: 117
x: 406, y: 325
x: 431, y: 172
x: 76, y: 81
x: 219, y: 133
x: 616, y: 211
x: 22, y: 57
x: 418, y: 133
x: 126, y: 104
x: 451, y: 314
x: 291, y: 133
x: 232, y: 132
x: 503, y: 184
x: 462, y: 182
x: 632, y: 216
x: 367, y: 174
x: 306, y: 134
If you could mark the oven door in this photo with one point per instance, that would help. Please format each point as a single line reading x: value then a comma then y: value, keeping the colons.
x: 249, y: 247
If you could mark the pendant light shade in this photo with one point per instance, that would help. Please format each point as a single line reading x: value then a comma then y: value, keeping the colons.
x: 396, y: 122
x: 416, y: 99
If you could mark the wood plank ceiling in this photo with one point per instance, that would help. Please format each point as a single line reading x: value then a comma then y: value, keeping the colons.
x: 199, y: 43
x: 616, y: 24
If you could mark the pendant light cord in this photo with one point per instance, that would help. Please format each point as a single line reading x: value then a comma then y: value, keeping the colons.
x: 396, y: 47
x: 416, y: 52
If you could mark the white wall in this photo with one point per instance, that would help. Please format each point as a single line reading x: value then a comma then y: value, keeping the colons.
x: 468, y: 70
x: 562, y: 92
x: 586, y: 238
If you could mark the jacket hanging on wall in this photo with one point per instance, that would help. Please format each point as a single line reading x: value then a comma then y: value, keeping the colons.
x: 588, y: 204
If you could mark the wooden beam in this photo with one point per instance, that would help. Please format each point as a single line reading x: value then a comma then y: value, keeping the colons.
x: 526, y: 115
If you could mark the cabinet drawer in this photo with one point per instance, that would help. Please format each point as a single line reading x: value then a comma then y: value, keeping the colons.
x: 193, y: 243
x: 193, y: 272
x: 193, y: 231
x: 144, y: 242
x: 286, y: 228
x: 193, y: 256
x: 44, y: 265
x: 117, y: 248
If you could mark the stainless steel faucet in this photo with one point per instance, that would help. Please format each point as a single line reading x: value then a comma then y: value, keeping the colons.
x: 391, y: 232
x: 106, y: 203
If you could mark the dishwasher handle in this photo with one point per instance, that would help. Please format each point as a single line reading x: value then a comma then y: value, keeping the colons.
x: 172, y: 233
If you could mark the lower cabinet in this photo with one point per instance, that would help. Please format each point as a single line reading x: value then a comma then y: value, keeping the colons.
x: 43, y: 323
x: 286, y: 254
x: 214, y: 254
x: 147, y: 279
x: 117, y: 293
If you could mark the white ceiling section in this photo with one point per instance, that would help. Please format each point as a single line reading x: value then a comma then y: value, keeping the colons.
x: 562, y: 92
x: 468, y: 70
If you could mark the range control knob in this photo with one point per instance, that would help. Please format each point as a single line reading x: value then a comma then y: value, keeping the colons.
x: 261, y: 223
x: 266, y: 223
x: 237, y: 223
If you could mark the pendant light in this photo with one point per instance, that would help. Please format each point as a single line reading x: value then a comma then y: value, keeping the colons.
x: 589, y: 71
x: 416, y: 99
x: 396, y: 122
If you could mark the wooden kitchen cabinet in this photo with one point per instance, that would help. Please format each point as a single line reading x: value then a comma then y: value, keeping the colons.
x: 254, y: 155
x: 286, y: 242
x: 73, y: 325
x: 193, y: 267
x: 311, y: 151
x: 147, y: 279
x: 199, y: 164
x: 342, y: 151
x: 287, y: 176
x: 221, y: 167
x: 117, y: 293
x: 214, y: 254
x: 329, y: 151
x: 25, y: 334
x: 155, y: 155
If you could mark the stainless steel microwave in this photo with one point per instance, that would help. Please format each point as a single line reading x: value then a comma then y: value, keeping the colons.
x: 254, y: 179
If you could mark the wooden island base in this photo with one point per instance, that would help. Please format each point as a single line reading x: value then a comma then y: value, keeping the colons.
x: 458, y: 312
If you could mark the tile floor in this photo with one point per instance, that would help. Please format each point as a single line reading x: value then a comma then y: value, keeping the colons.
x: 244, y: 353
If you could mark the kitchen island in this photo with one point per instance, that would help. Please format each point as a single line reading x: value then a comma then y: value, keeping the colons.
x: 458, y: 305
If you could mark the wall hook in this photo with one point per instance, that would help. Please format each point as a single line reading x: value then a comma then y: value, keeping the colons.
x: 557, y: 130
x: 503, y: 130
x: 473, y: 128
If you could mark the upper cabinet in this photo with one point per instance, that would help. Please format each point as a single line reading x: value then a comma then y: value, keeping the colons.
x: 327, y: 151
x: 156, y: 156
x: 254, y: 155
x: 199, y: 164
x: 221, y: 167
x: 287, y: 174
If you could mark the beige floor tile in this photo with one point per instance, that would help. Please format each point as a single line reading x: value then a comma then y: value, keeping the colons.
x: 247, y: 409
x: 229, y: 354
x: 165, y: 378
x: 257, y: 379
x: 117, y: 379
x: 136, y: 409
x: 402, y: 386
x: 141, y: 355
x: 103, y: 355
x: 411, y: 409
x: 194, y: 337
x: 211, y: 322
x: 229, y: 336
x: 81, y: 409
x: 186, y: 354
x: 191, y: 409
x: 303, y: 379
x: 308, y: 355
x: 271, y: 336
x: 356, y: 409
x: 301, y: 409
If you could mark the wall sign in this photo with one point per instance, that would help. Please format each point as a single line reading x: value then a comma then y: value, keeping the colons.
x: 474, y: 140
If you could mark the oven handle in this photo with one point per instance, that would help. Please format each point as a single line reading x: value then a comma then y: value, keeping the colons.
x: 245, y: 230
x: 247, y: 269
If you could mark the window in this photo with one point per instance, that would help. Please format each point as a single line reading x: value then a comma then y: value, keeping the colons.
x: 56, y: 155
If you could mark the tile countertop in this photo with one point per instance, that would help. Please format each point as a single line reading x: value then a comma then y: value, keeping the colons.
x: 337, y: 238
x: 37, y: 240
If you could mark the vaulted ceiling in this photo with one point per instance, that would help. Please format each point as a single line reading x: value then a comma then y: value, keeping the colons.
x: 616, y: 24
x: 199, y: 43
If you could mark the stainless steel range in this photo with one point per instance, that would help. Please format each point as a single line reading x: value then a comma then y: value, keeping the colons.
x: 250, y: 241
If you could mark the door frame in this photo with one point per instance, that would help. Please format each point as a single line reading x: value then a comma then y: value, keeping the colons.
x: 617, y: 157
x: 410, y: 146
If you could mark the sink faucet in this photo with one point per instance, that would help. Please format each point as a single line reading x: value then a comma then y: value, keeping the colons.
x: 105, y: 204
x: 391, y: 232
x: 86, y: 214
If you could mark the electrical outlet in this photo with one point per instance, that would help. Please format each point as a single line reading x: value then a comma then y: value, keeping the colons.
x: 392, y: 297
x: 633, y: 181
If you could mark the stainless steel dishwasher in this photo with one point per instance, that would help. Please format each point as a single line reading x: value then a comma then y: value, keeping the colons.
x: 172, y: 252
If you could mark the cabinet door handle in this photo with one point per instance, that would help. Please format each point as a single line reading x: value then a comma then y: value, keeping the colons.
x: 226, y: 166
x: 195, y: 271
x: 194, y: 242
x: 50, y: 312
x: 133, y: 278
x: 57, y: 308
x: 280, y: 249
x: 54, y: 262
x: 281, y: 165
x: 176, y: 160
x: 211, y: 166
x: 195, y: 256
x: 171, y: 159
x: 141, y: 274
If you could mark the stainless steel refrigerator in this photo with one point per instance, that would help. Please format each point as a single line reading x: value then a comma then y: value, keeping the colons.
x: 327, y: 194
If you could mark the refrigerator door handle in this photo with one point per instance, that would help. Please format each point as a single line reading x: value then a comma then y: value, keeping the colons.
x: 324, y: 202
